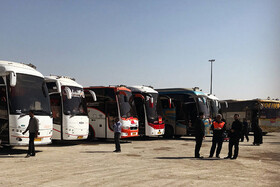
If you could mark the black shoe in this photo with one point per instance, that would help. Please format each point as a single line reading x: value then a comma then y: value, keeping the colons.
x: 227, y: 157
x: 233, y: 158
x: 218, y: 157
x: 32, y: 154
x: 27, y: 156
x: 210, y: 156
x: 117, y: 151
x: 199, y: 157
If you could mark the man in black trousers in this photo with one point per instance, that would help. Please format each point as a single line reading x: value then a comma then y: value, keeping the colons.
x: 218, y: 127
x: 33, y: 128
x: 234, y: 137
x: 199, y: 134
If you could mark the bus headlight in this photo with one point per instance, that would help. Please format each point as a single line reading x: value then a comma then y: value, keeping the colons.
x: 125, y: 127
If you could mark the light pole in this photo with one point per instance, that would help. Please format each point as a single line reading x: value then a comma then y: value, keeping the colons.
x: 212, y: 60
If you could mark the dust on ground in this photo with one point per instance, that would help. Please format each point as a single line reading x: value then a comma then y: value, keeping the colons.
x: 152, y: 162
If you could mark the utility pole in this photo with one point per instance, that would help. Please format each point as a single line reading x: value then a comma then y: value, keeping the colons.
x: 211, y: 83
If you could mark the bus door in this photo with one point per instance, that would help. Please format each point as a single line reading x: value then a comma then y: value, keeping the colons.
x: 56, y: 108
x: 4, y: 123
x: 139, y: 101
x: 111, y: 113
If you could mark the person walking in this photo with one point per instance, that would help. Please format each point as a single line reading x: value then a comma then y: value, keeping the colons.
x: 218, y: 127
x: 258, y: 139
x: 245, y: 130
x: 234, y: 136
x: 117, y: 133
x: 33, y: 128
x: 199, y: 134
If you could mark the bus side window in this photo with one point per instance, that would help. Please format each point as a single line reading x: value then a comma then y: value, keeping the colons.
x: 111, y: 112
x: 56, y: 108
x: 3, y: 103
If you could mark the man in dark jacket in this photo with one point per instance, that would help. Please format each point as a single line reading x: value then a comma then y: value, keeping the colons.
x: 218, y: 127
x: 33, y: 128
x: 245, y: 131
x: 234, y: 137
x: 199, y: 134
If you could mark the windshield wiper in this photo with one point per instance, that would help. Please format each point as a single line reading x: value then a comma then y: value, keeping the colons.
x: 22, y: 115
x: 42, y: 112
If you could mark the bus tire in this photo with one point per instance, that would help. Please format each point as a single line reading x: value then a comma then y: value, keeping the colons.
x: 91, y: 135
x: 168, y: 132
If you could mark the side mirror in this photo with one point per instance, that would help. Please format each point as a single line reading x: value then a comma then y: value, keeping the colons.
x: 92, y: 93
x: 170, y: 103
x: 151, y: 101
x: 68, y: 92
x: 13, y: 79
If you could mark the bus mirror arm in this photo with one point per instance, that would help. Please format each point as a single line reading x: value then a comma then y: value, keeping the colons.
x: 92, y: 93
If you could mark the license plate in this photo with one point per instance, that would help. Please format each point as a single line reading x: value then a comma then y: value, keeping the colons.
x: 37, y: 139
x: 134, y: 133
x: 159, y: 132
x: 80, y: 137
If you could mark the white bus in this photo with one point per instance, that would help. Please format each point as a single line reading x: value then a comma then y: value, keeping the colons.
x: 149, y: 110
x: 68, y: 105
x: 112, y: 102
x: 22, y: 88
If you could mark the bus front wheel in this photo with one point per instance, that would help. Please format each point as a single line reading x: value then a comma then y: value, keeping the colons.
x: 91, y: 134
x: 168, y: 133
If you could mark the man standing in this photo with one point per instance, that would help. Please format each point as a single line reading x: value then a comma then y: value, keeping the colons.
x: 218, y: 127
x: 245, y: 130
x: 33, y: 128
x: 234, y: 137
x: 117, y: 133
x: 199, y: 134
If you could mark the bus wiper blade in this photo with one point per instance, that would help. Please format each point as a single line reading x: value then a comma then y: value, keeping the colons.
x: 22, y: 115
x: 42, y: 112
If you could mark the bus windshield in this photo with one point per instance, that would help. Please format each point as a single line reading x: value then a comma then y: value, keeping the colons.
x: 153, y: 110
x: 214, y: 107
x: 202, y: 105
x: 30, y: 93
x: 126, y: 103
x: 77, y: 104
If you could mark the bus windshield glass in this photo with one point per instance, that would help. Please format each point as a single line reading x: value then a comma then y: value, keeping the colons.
x: 77, y: 104
x: 30, y: 93
x: 126, y: 103
x: 152, y: 110
x: 202, y: 104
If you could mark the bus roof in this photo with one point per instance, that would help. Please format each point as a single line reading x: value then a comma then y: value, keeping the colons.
x: 145, y: 89
x: 252, y: 100
x: 7, y: 66
x: 117, y: 87
x: 180, y: 91
x: 64, y: 81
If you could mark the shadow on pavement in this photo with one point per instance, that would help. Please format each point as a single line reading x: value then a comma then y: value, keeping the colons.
x: 97, y: 152
x: 10, y: 153
x: 190, y: 158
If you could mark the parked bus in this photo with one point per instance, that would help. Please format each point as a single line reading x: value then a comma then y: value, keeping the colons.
x: 266, y: 113
x: 112, y: 102
x: 22, y: 88
x: 149, y: 110
x: 185, y: 107
x: 68, y: 105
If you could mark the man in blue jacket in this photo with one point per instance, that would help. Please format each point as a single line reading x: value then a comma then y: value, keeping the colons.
x: 117, y: 134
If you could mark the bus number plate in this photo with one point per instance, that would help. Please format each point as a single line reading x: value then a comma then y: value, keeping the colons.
x: 134, y: 133
x: 80, y: 137
x: 37, y: 139
x: 159, y: 132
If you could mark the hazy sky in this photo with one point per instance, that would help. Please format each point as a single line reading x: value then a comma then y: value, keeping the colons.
x: 163, y: 43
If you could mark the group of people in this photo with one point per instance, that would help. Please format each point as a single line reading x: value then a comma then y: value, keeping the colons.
x: 237, y: 132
